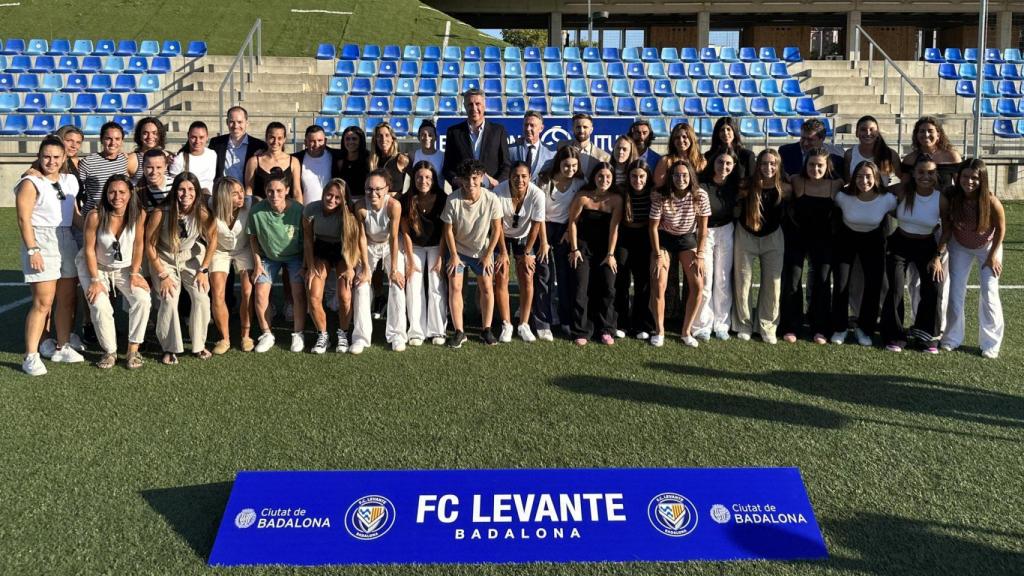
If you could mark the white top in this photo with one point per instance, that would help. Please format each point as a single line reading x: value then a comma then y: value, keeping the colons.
x: 377, y: 224
x: 105, y: 251
x: 234, y: 240
x: 203, y: 166
x: 923, y: 218
x: 437, y: 158
x: 531, y: 210
x: 316, y: 173
x: 861, y: 216
x: 856, y: 158
x: 557, y: 203
x: 50, y: 211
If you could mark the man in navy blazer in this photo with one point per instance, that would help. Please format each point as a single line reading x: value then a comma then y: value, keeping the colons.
x: 528, y: 148
x: 476, y: 139
x: 236, y: 147
x: 812, y: 135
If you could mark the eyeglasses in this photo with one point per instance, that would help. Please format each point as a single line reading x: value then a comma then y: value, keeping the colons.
x: 60, y: 191
x: 182, y: 230
x: 379, y: 190
x: 116, y: 246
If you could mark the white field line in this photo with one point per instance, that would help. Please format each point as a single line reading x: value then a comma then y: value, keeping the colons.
x: 13, y: 305
x: 321, y: 12
x: 9, y: 4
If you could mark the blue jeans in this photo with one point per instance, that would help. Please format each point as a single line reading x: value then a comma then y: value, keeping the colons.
x: 271, y: 268
x: 556, y: 269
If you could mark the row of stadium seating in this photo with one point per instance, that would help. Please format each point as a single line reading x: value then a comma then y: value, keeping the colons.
x: 373, y: 52
x: 563, y: 106
x: 1008, y: 128
x: 79, y: 83
x: 954, y: 56
x: 967, y: 89
x: 61, y: 102
x: 105, y: 47
x: 43, y: 124
x: 968, y: 71
x: 655, y: 70
x: 87, y: 65
x: 558, y: 87
x: 1003, y: 107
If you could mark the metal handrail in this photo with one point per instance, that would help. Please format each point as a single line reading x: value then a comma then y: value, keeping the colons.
x: 904, y: 77
x: 254, y: 59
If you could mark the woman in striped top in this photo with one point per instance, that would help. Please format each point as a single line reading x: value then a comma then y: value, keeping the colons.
x: 678, y: 226
x: 95, y: 169
x: 623, y: 155
x: 634, y: 254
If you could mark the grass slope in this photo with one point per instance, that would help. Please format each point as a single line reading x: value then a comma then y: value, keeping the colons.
x: 912, y: 462
x: 225, y: 24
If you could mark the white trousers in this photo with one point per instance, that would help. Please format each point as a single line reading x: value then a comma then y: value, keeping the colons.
x: 990, y: 309
x: 428, y: 311
x: 362, y: 301
x: 716, y: 305
x: 101, y: 311
x: 168, y: 324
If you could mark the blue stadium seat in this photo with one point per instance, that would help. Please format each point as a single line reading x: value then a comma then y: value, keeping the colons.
x: 591, y: 54
x: 493, y: 86
x: 748, y: 54
x: 553, y: 70
x: 656, y: 70
x: 991, y: 71
x: 649, y: 54
x: 9, y: 102
x: 513, y: 70
x: 347, y: 123
x: 793, y: 126
x: 33, y: 103
x: 774, y: 128
x: 615, y: 70
x: 965, y: 88
x: 405, y: 87
x: 663, y: 88
x: 427, y: 87
x: 671, y: 107
x: 706, y: 88
x: 43, y: 65
x: 578, y: 87
x: 492, y: 70
x: 399, y: 125
x: 512, y: 54
x: 604, y: 107
x: 27, y: 83
x: 535, y: 87
x: 631, y: 54
x: 136, y: 104
x: 383, y: 87
x: 693, y: 107
x: 450, y: 87
x: 709, y: 54
x: 472, y: 54
x: 767, y: 54
x: 126, y: 48
x: 805, y: 106
x: 515, y: 106
x: 137, y: 65
x: 595, y: 70
x: 52, y: 83
x: 780, y: 71
x: 738, y: 70
x: 770, y: 88
x: 953, y: 56
x: 611, y: 54
x: 737, y: 107
x: 492, y: 54
x: 620, y: 87
x: 66, y: 65
x: 988, y: 89
x: 90, y: 65
x: 409, y: 69
x: 625, y: 107
x: 533, y: 70
x: 1010, y: 72
x: 538, y: 104
x: 148, y: 48
x: 560, y: 106
x: 127, y: 122
x: 84, y: 103
x: 703, y: 127
x: 493, y: 105
x: 1008, y: 89
x: 987, y: 110
x: 349, y: 52
x: 697, y: 71
x: 172, y: 48
x: 35, y: 47
x: 933, y: 56
x: 424, y: 106
x: 372, y: 122
x: 759, y: 106
x: 759, y: 70
x: 791, y: 87
x: 649, y: 107
x: 642, y: 88
x: 412, y: 52
x: 659, y: 127
x: 113, y: 65
x: 748, y: 88
x: 104, y: 47
x: 1004, y: 107
x: 948, y: 72
x: 783, y: 107
x: 582, y: 105
x: 81, y: 48
x: 729, y: 54
x: 971, y: 54
x: 531, y: 54
x: 59, y: 103
x: 552, y: 54
x: 514, y: 87
x: 430, y: 69
x: 379, y: 106
x: 669, y: 55
x: 791, y: 54
x: 677, y: 70
x: 110, y: 103
x: 387, y: 69
x: 452, y: 54
x: 70, y: 120
x: 366, y: 68
x: 338, y: 86
x: 557, y: 87
x: 1001, y: 128
x: 331, y: 106
x: 599, y: 87
x: 355, y: 105
x: 715, y: 107
x: 371, y: 52
x: 432, y: 54
x: 19, y: 64
x: 1013, y: 56
x: 148, y: 83
x: 470, y: 84
x: 727, y: 88
x: 472, y: 70
x: 59, y: 47
x: 124, y: 83
x: 92, y: 125
x: 571, y: 54
x: 196, y: 49
x: 329, y: 125
x: 360, y: 87
x: 751, y: 128
x: 391, y: 53
x: 574, y: 70
x: 684, y: 88
x: 76, y: 83
x: 15, y: 125
x: 635, y: 70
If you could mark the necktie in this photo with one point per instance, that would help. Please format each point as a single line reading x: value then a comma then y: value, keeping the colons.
x: 529, y: 157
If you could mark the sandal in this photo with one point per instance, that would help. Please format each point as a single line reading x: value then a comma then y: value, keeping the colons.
x: 221, y: 347
x: 169, y: 359
x: 133, y: 360
x: 203, y: 354
x: 248, y: 344
x: 107, y: 361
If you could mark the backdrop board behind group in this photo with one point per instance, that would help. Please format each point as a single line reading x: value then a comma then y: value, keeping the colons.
x: 606, y: 130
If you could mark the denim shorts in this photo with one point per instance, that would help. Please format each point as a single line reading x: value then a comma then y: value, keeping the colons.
x: 473, y: 264
x: 271, y: 268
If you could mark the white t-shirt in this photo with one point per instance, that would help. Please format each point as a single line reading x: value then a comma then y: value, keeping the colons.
x: 531, y: 210
x: 557, y: 203
x: 316, y: 173
x: 471, y: 222
x: 204, y: 166
x: 861, y: 216
x: 436, y: 159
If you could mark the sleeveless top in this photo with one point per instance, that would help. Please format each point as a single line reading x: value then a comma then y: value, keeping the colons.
x: 723, y: 200
x: 923, y: 218
x: 856, y: 158
x: 49, y: 211
x: 377, y: 224
x: 945, y: 173
x: 396, y: 176
x: 592, y: 230
x: 185, y: 244
x: 260, y: 178
x: 813, y: 215
x: 639, y: 206
x: 771, y: 213
x: 431, y: 225
x: 106, y: 252
x: 965, y: 229
x: 234, y: 240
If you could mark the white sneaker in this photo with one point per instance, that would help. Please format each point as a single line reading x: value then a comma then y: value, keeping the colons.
x: 991, y: 353
x: 620, y: 334
x: 47, y: 348
x: 862, y: 338
x: 545, y: 335
x: 437, y: 340
x: 342, y: 342
x: 289, y: 313
x: 690, y: 341
x: 526, y: 334
x: 33, y: 365
x: 722, y: 335
x: 769, y: 339
x: 745, y: 336
x: 356, y: 349
x: 506, y: 332
x: 68, y: 355
x: 415, y: 342
x: 323, y: 342
x: 265, y: 342
x: 298, y: 342
x: 944, y: 347
x: 838, y: 337
x: 657, y: 340
x: 702, y: 335
x: 76, y: 342
x: 398, y: 346
x: 642, y: 335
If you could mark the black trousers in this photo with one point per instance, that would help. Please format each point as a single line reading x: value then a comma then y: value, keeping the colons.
x: 593, y: 309
x: 816, y: 249
x: 633, y: 256
x: 870, y: 248
x: 902, y: 251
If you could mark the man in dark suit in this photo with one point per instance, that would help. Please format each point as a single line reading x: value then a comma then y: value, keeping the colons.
x: 812, y: 135
x: 236, y: 147
x: 529, y: 148
x: 320, y: 163
x: 478, y: 140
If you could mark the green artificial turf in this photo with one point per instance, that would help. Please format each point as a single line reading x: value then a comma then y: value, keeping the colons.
x: 912, y: 462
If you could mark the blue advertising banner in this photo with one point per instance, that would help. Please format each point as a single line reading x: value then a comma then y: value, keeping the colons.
x: 475, y: 516
x: 606, y: 130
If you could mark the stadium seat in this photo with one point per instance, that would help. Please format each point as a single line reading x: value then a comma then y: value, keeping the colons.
x: 408, y: 69
x: 427, y: 87
x: 615, y: 70
x: 1004, y: 107
x: 136, y: 104
x: 349, y: 52
x: 684, y: 88
x: 1008, y: 89
x: 137, y: 65
x: 492, y: 54
x: 124, y: 83
x: 780, y: 71
x: 599, y: 87
x: 715, y: 107
x: 367, y: 68
x: 9, y: 102
x: 537, y: 104
x: 729, y: 54
x: 399, y: 125
x: 578, y: 87
x: 791, y: 87
x: 610, y: 54
x: 338, y: 86
x: 70, y: 120
x: 709, y: 54
x: 759, y: 70
x: 649, y: 54
x: 172, y: 48
x: 706, y: 88
x: 492, y: 70
x: 52, y: 83
x: 126, y: 48
x: 66, y: 65
x: 43, y: 65
x: 59, y: 103
x: 582, y: 105
x: 110, y: 103
x: 472, y: 70
x: 513, y: 70
x: 748, y: 88
x: 948, y: 71
x: 669, y: 55
x: 113, y: 65
x: 329, y: 125
x: 33, y: 103
x: 104, y: 47
x: 636, y: 70
x: 19, y: 64
x: 127, y: 122
x: 751, y: 128
x: 971, y: 54
x: 360, y: 87
x: 770, y: 88
x: 552, y: 54
x: 148, y: 48
x: 448, y: 105
x: 727, y: 88
x: 355, y: 105
x: 424, y: 106
x: 604, y: 107
x: 791, y: 54
x: 493, y: 86
x: 677, y: 70
x: 379, y: 106
x: 965, y: 89
x: 793, y: 126
x: 987, y: 110
x: 90, y: 65
x: 531, y: 54
x: 412, y: 52
x: 738, y: 71
x: 1010, y: 72
x: 767, y: 54
x: 533, y: 70
x: 76, y: 83
x: 432, y: 54
x: 515, y: 106
x: 689, y: 55
x: 625, y: 107
x: 514, y: 87
x: 988, y: 89
x: 557, y: 87
x: 717, y: 70
x: 759, y: 106
x: 27, y: 83
x: 774, y: 128
x: 990, y: 71
x: 36, y: 47
x: 512, y: 54
x: 805, y: 106
x: 748, y: 54
x: 81, y: 48
x: 663, y: 88
x: 405, y: 87
x: 452, y: 54
x: 15, y: 125
x: 560, y: 106
x: 196, y: 49
x: 671, y: 107
x: 933, y: 56
x: 59, y: 47
x: 371, y: 52
x: 595, y: 70
x: 656, y: 70
x: 631, y: 54
x: 953, y: 56
x: 591, y: 54
x: 387, y: 69
x: 703, y: 127
x: 574, y: 70
x: 697, y: 71
x: 383, y: 87
x: 620, y: 88
x: 391, y: 53
x: 493, y: 105
x: 693, y: 107
x: 469, y: 84
x: 783, y: 107
x: 1001, y: 128
x: 332, y: 105
x: 642, y: 88
x: 1013, y: 56
x: 535, y: 87
x: 737, y: 107
x: 92, y: 125
x: 649, y: 107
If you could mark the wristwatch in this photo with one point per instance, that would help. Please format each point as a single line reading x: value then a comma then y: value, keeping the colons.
x: 33, y: 251
x: 205, y: 271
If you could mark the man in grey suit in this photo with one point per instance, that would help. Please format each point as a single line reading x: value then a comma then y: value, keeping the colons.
x: 590, y: 154
x: 528, y: 148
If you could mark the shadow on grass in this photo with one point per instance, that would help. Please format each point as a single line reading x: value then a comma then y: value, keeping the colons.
x: 194, y: 512
x: 905, y: 393
x: 711, y: 402
x: 891, y: 545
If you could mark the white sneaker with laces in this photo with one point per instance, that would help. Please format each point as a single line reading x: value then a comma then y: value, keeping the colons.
x: 620, y: 334
x: 67, y: 355
x: 862, y: 338
x: 342, y: 342
x: 690, y: 341
x: 437, y: 340
x: 657, y: 340
x: 991, y: 353
x: 265, y: 342
x: 769, y: 339
x: 76, y: 342
x: 838, y: 337
x: 323, y: 342
x: 398, y: 346
x: 642, y: 335
x: 545, y: 335
x: 506, y: 332
x: 745, y: 336
x: 356, y: 349
x: 415, y: 342
x: 47, y: 348
x: 298, y: 342
x: 526, y: 334
x: 33, y: 365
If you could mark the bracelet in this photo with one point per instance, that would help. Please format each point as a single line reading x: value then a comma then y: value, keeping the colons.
x: 164, y: 275
x: 611, y: 255
x: 574, y: 250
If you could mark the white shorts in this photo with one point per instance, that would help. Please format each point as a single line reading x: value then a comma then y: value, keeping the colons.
x: 58, y: 248
x: 222, y: 262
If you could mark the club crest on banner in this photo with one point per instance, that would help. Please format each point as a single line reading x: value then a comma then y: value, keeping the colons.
x: 672, y: 514
x: 369, y: 517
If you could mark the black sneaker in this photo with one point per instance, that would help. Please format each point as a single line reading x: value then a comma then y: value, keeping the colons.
x: 488, y: 337
x: 457, y: 339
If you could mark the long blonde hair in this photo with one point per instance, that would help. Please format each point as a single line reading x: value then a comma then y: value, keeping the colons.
x: 349, y: 226
x: 223, y: 205
x: 379, y: 157
x: 750, y: 191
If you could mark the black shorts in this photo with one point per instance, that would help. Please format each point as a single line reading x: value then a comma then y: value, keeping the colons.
x: 329, y: 252
x: 516, y: 246
x: 675, y: 244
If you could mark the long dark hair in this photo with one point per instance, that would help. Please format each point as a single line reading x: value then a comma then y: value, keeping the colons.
x: 750, y: 191
x: 851, y: 187
x: 197, y: 214
x: 881, y: 153
x: 638, y: 164
x: 161, y: 132
x: 364, y: 154
x: 910, y: 188
x: 716, y: 136
x: 942, y: 144
x: 958, y: 197
x: 104, y: 209
x: 556, y: 164
x: 411, y: 211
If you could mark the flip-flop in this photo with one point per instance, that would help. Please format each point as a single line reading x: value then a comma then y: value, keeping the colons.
x: 169, y: 359
x: 203, y: 354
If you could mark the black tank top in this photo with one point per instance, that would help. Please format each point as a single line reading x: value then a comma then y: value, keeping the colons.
x: 772, y: 213
x: 592, y: 230
x: 260, y: 178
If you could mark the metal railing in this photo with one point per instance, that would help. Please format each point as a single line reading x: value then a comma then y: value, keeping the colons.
x: 904, y: 79
x: 244, y: 64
